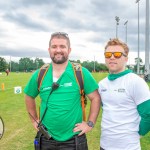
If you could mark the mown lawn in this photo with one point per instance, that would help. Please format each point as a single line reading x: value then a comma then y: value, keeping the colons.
x: 19, y: 133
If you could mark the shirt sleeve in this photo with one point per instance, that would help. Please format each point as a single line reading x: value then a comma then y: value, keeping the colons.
x: 31, y: 89
x: 90, y: 84
x: 141, y: 96
x: 144, y: 112
x: 140, y: 89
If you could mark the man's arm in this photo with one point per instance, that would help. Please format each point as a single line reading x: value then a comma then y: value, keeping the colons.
x: 93, y: 114
x: 31, y: 109
x: 144, y: 112
x: 95, y: 106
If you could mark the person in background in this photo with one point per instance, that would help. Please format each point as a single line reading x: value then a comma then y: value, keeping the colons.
x: 7, y: 72
x: 63, y: 117
x: 125, y: 102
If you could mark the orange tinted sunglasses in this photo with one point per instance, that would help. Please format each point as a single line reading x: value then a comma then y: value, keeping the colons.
x: 60, y: 33
x: 115, y: 54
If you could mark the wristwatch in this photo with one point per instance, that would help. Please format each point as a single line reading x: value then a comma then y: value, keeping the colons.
x: 90, y: 124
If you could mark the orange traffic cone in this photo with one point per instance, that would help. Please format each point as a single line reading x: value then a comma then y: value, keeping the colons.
x: 3, y: 86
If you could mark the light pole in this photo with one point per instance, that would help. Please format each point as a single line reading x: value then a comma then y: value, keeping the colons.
x: 117, y: 23
x: 126, y: 29
x: 94, y: 63
x: 138, y: 63
x: 10, y: 64
x: 147, y: 67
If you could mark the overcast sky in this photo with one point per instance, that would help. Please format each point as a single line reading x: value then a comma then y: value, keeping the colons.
x: 26, y: 26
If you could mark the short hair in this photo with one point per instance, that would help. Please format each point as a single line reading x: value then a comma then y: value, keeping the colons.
x: 116, y: 41
x: 60, y: 35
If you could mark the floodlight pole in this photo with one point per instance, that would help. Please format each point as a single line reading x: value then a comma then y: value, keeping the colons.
x: 117, y: 23
x: 94, y: 63
x: 138, y: 63
x: 10, y: 64
x: 147, y: 67
x: 126, y: 29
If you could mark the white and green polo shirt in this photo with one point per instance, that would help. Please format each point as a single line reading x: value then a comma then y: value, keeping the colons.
x: 123, y: 99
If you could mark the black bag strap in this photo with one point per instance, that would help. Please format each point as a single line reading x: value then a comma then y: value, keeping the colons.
x: 78, y: 74
x: 42, y: 73
x: 79, y: 78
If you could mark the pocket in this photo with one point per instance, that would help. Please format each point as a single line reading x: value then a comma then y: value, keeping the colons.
x: 82, y: 146
x: 81, y: 142
x: 37, y: 141
x: 36, y: 144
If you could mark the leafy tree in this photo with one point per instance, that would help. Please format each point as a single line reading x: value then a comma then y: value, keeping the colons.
x: 14, y: 66
x: 138, y: 59
x: 25, y: 64
x: 38, y: 63
x: 78, y: 61
x: 103, y: 67
x: 3, y: 64
x: 140, y: 64
x: 94, y: 65
x: 88, y: 65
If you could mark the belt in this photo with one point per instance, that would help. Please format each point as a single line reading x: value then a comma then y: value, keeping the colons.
x: 73, y: 138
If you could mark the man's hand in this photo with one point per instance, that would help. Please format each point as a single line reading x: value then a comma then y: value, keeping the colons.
x: 35, y: 125
x: 83, y: 127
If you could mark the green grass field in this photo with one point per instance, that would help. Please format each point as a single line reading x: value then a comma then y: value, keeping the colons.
x: 19, y: 133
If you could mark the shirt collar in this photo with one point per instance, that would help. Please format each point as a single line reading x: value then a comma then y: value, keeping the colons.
x: 115, y: 76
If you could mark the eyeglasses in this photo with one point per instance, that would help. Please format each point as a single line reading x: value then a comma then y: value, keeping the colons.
x: 60, y: 33
x: 115, y: 54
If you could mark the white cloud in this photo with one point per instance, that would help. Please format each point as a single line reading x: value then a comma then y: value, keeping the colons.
x: 26, y: 26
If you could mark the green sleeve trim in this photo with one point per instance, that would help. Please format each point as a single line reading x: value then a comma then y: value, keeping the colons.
x: 144, y: 112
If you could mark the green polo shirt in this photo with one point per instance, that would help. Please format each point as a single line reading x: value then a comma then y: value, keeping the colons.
x: 64, y: 105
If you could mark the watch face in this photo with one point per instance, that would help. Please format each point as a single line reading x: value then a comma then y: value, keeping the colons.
x: 90, y: 124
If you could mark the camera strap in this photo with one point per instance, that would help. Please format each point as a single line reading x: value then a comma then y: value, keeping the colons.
x: 54, y: 87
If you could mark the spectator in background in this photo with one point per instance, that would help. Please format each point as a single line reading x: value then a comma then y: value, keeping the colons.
x: 7, y: 72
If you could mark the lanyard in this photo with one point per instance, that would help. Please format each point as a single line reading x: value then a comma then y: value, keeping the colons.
x: 54, y: 87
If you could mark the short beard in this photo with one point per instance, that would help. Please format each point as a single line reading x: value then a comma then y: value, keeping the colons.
x: 64, y: 59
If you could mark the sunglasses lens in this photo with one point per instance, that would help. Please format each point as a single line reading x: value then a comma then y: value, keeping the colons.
x: 117, y: 54
x: 108, y: 54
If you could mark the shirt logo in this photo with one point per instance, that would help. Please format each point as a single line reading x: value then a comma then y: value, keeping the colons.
x: 121, y: 90
x: 46, y: 88
x: 103, y: 90
x: 62, y: 85
x: 66, y: 84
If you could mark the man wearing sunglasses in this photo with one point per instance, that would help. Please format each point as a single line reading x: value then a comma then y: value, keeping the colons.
x: 61, y: 111
x: 125, y: 101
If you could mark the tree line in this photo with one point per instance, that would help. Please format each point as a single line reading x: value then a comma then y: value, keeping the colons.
x: 27, y: 65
